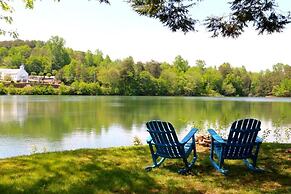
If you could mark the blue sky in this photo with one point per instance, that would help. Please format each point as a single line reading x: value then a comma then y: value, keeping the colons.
x: 119, y: 32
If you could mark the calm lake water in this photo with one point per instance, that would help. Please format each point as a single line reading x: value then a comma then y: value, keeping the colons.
x: 30, y: 124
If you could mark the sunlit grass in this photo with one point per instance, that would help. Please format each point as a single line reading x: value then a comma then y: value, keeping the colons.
x: 121, y: 170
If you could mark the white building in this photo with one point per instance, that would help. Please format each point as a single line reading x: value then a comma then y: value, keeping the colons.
x: 15, y: 74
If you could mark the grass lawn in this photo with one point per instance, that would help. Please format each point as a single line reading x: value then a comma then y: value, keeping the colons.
x: 121, y: 170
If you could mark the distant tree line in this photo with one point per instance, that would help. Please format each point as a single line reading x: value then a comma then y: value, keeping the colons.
x: 92, y: 73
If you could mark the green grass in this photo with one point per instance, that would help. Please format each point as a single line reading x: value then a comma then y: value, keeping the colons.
x: 121, y: 170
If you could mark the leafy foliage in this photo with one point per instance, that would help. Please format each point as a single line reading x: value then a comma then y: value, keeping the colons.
x: 6, y: 15
x: 88, y: 73
x: 175, y: 14
x: 172, y: 13
x: 264, y: 15
x: 59, y: 55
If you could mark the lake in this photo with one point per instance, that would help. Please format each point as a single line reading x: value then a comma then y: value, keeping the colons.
x: 30, y: 124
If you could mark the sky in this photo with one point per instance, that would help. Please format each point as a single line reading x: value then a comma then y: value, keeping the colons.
x: 119, y: 32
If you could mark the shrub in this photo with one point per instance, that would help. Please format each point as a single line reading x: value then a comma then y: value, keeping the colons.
x: 3, y: 89
x: 11, y: 90
x: 65, y: 90
x: 136, y: 141
x: 27, y: 90
x: 44, y: 90
x: 284, y: 89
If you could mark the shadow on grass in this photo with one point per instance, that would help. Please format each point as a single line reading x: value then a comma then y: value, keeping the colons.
x: 121, y: 170
x: 62, y: 175
x: 272, y: 158
x: 82, y: 171
x: 116, y: 179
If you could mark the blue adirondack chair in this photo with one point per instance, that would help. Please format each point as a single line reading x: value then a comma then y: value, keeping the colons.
x: 163, y: 143
x: 242, y: 143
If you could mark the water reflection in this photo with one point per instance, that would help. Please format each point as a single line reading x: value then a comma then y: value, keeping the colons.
x: 55, y: 123
x: 13, y: 109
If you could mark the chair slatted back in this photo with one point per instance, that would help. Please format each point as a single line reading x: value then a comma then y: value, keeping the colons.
x: 165, y: 139
x: 241, y: 138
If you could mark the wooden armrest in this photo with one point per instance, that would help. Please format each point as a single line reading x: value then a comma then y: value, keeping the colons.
x: 189, y: 136
x: 216, y: 137
x: 149, y: 139
x: 259, y: 140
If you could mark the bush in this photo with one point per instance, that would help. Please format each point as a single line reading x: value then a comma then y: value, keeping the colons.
x: 44, y: 90
x: 65, y: 90
x: 81, y: 88
x: 3, y: 89
x: 284, y: 89
x: 12, y: 90
x: 27, y: 90
x: 105, y: 90
x: 74, y: 88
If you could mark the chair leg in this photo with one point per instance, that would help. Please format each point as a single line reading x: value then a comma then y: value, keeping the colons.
x: 218, y: 167
x: 188, y: 165
x: 221, y: 162
x: 211, y: 149
x: 194, y: 151
x: 155, y: 163
x: 252, y: 166
x: 194, y: 156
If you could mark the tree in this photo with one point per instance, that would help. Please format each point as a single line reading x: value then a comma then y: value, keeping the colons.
x: 76, y: 55
x: 68, y: 73
x: 147, y: 84
x: 264, y: 15
x: 88, y: 74
x: 263, y: 84
x: 36, y: 64
x: 280, y: 72
x: 125, y: 77
x: 109, y: 79
x: 181, y: 64
x: 5, y: 15
x: 60, y: 56
x: 23, y: 51
x: 194, y: 82
x: 201, y: 65
x: 105, y: 62
x: 213, y: 80
x: 16, y: 56
x: 13, y: 61
x: 3, y: 53
x: 154, y: 68
x: 128, y: 76
x: 89, y: 60
x: 224, y: 69
x: 98, y: 57
x: 227, y: 87
x: 284, y: 89
x: 169, y: 80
